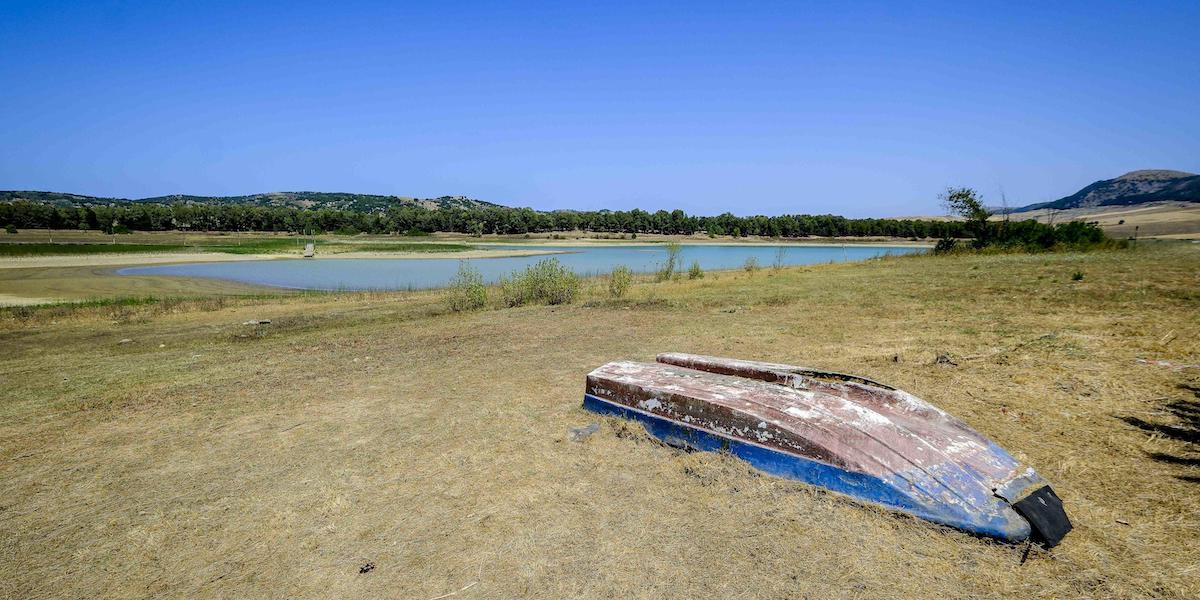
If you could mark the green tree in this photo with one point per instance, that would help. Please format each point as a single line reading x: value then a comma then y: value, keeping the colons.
x: 966, y: 203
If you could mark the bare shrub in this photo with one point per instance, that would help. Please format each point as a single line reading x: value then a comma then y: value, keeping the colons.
x: 667, y: 270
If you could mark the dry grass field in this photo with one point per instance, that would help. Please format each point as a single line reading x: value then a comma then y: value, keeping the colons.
x: 1167, y: 220
x: 1161, y: 220
x: 373, y: 445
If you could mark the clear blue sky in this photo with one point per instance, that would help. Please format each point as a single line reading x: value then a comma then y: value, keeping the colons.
x: 862, y: 110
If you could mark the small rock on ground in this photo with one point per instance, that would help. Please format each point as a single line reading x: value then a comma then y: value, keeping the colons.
x: 579, y: 434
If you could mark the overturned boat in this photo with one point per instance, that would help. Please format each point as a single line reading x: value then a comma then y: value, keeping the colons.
x: 842, y: 432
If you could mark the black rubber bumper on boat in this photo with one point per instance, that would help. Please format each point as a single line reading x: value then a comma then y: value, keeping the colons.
x: 1045, y: 514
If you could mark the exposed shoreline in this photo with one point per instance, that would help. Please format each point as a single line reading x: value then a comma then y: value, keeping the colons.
x: 135, y: 259
x: 602, y: 243
x: 36, y: 280
x: 487, y: 249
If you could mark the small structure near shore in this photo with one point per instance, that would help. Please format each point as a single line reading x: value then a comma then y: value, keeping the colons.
x: 310, y: 250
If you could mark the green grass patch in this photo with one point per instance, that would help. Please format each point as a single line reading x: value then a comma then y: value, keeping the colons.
x: 407, y: 247
x: 9, y: 249
x: 296, y: 245
x: 258, y: 246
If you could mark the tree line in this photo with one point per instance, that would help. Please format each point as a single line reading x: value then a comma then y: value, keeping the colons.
x: 986, y: 233
x: 478, y: 221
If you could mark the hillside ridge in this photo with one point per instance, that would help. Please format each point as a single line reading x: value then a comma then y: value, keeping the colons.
x: 1134, y: 187
x: 368, y: 203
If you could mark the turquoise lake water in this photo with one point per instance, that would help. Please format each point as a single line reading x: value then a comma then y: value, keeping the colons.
x: 393, y: 273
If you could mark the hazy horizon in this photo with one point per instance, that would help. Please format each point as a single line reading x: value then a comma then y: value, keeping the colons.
x: 776, y: 108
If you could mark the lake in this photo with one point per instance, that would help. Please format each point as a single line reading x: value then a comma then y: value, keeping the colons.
x: 396, y: 273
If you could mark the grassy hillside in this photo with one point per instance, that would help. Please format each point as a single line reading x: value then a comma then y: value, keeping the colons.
x: 367, y: 203
x: 166, y: 448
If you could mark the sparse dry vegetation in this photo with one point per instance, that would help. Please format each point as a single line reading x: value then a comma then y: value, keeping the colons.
x: 211, y: 457
x: 466, y: 290
x: 669, y: 267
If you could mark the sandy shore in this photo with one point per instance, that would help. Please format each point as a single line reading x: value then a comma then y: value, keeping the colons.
x: 493, y: 253
x: 14, y: 300
x: 46, y: 279
x: 26, y: 281
x: 594, y: 243
x: 116, y: 260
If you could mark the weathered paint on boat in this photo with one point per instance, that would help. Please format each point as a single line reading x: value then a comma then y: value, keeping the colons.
x: 842, y: 432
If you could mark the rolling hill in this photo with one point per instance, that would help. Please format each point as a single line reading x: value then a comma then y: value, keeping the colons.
x: 1135, y: 187
x: 368, y: 203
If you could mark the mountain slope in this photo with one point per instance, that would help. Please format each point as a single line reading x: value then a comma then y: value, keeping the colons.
x: 1135, y: 187
x: 369, y: 203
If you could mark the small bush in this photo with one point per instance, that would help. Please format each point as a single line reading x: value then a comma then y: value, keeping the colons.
x: 945, y: 246
x: 10, y: 229
x: 510, y: 292
x: 466, y: 291
x: 619, y: 281
x: 546, y: 282
x: 780, y: 258
x: 751, y: 265
x: 695, y: 272
x: 1077, y: 276
x: 667, y: 270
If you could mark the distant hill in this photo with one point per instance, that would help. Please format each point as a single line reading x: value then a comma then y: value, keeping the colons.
x: 1136, y: 187
x: 368, y: 203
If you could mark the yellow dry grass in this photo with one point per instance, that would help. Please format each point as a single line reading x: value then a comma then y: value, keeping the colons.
x: 205, y: 457
x: 28, y: 285
x: 1169, y: 220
